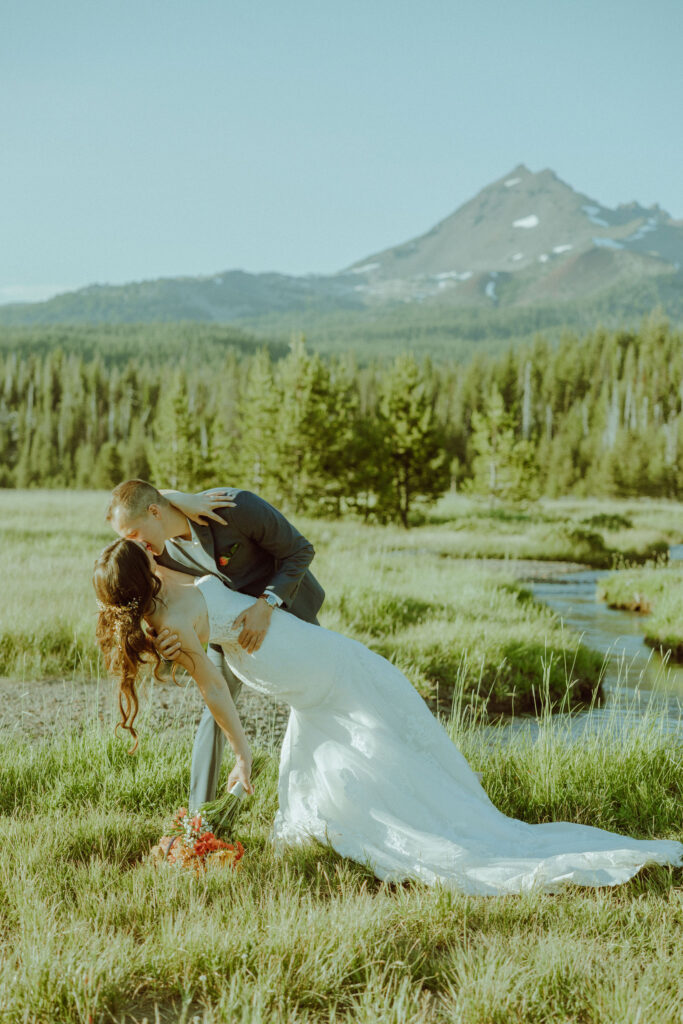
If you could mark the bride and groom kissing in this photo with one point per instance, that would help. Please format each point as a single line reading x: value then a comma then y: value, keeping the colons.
x: 364, y: 765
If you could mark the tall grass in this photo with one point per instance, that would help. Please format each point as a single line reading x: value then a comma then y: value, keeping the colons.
x: 406, y: 594
x: 657, y: 593
x: 90, y: 930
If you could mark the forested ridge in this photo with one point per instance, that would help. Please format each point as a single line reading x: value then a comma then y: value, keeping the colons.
x: 206, y: 404
x: 111, y: 318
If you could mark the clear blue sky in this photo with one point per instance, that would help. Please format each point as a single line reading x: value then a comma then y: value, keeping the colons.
x: 167, y: 137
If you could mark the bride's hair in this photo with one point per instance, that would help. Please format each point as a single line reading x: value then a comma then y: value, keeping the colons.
x: 126, y: 589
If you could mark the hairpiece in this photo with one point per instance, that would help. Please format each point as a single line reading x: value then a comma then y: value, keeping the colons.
x: 131, y: 606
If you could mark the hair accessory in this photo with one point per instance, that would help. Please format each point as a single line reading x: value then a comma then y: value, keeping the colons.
x: 130, y: 606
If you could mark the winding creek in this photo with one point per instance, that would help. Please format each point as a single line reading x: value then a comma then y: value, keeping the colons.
x: 635, y: 676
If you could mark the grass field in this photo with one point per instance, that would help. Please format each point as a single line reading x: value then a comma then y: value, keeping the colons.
x: 602, y: 534
x: 408, y: 594
x: 414, y: 595
x: 658, y: 594
x: 90, y: 931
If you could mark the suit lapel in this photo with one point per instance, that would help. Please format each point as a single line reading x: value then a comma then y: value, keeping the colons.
x: 204, y: 534
x: 170, y: 562
x: 205, y: 538
x: 184, y: 562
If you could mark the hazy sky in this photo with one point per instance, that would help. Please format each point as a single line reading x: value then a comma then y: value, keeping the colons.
x: 167, y: 137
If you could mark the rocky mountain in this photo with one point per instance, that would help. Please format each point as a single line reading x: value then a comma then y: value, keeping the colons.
x: 527, y: 239
x: 524, y: 239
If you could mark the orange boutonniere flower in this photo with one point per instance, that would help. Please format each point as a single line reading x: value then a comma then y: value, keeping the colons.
x: 224, y: 559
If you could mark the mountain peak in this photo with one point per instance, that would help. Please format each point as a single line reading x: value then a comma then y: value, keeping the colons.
x: 524, y: 239
x: 529, y: 227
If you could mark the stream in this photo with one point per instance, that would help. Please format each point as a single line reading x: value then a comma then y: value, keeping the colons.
x: 636, y: 677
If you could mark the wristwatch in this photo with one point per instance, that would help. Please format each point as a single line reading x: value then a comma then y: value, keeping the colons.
x: 272, y: 599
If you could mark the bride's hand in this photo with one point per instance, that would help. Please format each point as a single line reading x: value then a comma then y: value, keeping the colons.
x: 200, y: 507
x: 241, y: 773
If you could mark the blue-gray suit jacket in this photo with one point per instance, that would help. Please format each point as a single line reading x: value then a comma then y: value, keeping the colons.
x: 255, y: 549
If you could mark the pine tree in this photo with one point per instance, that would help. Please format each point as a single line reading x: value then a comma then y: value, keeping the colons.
x: 107, y: 472
x: 303, y: 427
x: 250, y: 456
x: 410, y: 442
x: 174, y: 456
x: 503, y: 467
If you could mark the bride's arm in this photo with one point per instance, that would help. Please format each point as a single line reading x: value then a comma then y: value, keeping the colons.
x: 214, y: 689
x: 199, y: 507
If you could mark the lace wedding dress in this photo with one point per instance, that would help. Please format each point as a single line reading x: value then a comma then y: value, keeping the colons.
x: 367, y: 768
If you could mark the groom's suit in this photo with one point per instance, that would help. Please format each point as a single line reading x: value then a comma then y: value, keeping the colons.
x: 254, y: 550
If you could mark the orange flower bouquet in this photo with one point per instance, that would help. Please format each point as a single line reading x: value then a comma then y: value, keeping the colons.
x: 189, y: 846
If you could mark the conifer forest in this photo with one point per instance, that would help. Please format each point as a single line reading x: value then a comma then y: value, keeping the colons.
x: 192, y: 406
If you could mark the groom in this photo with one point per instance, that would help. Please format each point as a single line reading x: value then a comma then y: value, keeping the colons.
x: 250, y: 547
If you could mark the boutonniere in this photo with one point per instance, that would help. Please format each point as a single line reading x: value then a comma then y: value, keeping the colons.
x: 224, y: 559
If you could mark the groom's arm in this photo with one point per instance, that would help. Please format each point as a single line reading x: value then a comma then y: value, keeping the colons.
x: 261, y: 523
x: 258, y: 521
x: 272, y: 532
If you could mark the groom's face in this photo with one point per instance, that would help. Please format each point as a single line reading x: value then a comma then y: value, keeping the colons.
x: 147, y: 528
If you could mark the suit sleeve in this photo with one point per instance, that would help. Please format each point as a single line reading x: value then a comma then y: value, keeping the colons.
x: 268, y: 528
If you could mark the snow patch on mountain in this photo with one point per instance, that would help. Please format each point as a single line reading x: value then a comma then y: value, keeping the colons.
x: 511, y: 181
x: 526, y: 222
x: 607, y: 243
x: 651, y: 225
x: 562, y: 248
x: 592, y: 214
x: 491, y: 286
x: 464, y: 275
x: 518, y: 256
x: 365, y: 269
x: 543, y: 258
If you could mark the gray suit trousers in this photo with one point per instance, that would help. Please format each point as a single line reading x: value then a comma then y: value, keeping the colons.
x: 209, y: 743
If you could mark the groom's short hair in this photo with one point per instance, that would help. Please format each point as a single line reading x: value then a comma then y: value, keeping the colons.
x: 134, y: 498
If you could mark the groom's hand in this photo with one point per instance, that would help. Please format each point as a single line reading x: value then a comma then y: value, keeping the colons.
x: 254, y: 622
x: 166, y: 643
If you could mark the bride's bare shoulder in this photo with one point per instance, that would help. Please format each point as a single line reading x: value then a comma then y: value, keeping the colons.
x: 159, y: 615
x: 184, y: 614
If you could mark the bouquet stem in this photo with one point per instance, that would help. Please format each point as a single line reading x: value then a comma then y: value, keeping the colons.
x: 224, y: 811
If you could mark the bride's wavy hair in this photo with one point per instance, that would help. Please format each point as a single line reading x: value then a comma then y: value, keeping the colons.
x: 126, y: 589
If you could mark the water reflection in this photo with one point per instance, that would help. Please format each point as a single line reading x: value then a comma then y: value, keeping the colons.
x: 616, y: 634
x: 638, y: 683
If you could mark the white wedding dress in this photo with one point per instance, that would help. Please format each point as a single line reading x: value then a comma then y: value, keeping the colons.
x: 367, y: 768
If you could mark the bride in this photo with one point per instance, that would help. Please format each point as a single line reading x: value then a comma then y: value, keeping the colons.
x: 364, y: 766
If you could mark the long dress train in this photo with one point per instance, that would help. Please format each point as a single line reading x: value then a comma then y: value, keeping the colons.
x: 366, y: 767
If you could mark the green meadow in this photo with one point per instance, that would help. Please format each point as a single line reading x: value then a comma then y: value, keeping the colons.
x: 656, y: 593
x: 91, y: 931
x: 413, y: 595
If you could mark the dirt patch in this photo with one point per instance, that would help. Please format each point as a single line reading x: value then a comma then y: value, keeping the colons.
x: 40, y: 708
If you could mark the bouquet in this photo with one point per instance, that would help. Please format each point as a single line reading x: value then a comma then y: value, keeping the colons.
x: 188, y: 846
x: 225, y: 811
